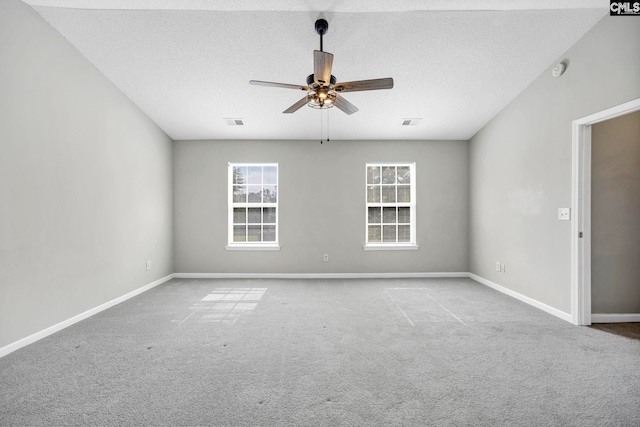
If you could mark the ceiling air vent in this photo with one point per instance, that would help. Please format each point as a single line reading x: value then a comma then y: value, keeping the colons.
x: 411, y: 122
x: 234, y: 122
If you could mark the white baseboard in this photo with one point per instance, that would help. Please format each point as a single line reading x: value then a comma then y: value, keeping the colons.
x: 614, y: 317
x: 535, y: 303
x: 596, y: 318
x: 75, y: 319
x: 555, y: 312
x: 318, y: 275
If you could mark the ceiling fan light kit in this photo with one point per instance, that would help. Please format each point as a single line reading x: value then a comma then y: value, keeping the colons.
x: 322, y: 87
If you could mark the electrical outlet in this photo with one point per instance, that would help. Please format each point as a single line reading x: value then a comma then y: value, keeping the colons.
x: 148, y: 265
x: 325, y: 257
x: 497, y: 266
x: 564, y: 214
x: 502, y: 267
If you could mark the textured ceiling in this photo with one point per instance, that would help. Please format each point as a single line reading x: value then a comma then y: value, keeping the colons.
x: 187, y: 64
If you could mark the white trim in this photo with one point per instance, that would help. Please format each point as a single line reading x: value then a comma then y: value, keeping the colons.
x: 252, y: 247
x: 412, y: 206
x: 75, y: 319
x: 537, y: 304
x: 319, y: 275
x: 581, y: 206
x: 390, y: 247
x: 532, y: 302
x: 231, y: 245
x: 615, y: 318
x: 599, y: 318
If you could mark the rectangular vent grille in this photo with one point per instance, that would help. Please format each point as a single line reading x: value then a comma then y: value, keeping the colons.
x: 411, y: 122
x: 234, y: 122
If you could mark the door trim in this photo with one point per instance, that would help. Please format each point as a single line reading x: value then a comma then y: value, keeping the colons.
x: 581, y: 207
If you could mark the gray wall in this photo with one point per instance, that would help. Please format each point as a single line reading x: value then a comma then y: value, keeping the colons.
x: 85, y: 182
x: 615, y: 215
x: 322, y: 206
x: 520, y: 163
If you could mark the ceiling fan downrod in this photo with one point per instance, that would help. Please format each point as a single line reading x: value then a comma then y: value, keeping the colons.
x: 322, y: 26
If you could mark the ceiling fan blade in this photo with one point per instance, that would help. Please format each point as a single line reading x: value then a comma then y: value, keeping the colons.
x: 344, y: 105
x: 295, y: 107
x: 373, y: 84
x: 282, y: 85
x: 322, y: 63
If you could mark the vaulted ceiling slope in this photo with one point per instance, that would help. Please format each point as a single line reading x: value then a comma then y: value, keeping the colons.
x: 455, y: 64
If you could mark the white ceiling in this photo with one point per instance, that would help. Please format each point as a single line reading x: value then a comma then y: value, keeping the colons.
x: 455, y: 64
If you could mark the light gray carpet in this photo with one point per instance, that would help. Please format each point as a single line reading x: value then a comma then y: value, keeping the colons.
x: 441, y: 352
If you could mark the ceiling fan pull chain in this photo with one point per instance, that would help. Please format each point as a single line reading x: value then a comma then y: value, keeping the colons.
x: 321, y: 117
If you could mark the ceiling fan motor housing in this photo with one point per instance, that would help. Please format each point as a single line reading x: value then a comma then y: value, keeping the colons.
x: 311, y: 80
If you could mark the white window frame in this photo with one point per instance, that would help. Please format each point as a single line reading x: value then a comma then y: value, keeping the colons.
x: 264, y: 246
x: 412, y: 244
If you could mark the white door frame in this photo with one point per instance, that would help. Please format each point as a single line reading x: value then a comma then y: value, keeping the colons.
x: 581, y: 207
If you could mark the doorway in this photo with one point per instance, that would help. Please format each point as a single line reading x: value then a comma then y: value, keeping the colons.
x: 581, y: 238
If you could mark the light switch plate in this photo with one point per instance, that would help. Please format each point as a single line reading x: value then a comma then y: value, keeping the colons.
x: 564, y: 214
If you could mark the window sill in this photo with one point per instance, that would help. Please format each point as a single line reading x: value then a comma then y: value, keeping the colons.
x: 392, y: 247
x: 252, y: 247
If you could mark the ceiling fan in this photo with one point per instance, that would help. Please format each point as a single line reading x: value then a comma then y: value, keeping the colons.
x: 322, y: 89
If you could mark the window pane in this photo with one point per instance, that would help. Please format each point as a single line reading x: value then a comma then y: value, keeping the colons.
x: 256, y: 186
x: 254, y: 175
x: 269, y: 233
x: 404, y: 175
x: 269, y: 215
x: 239, y: 233
x: 388, y: 174
x: 253, y: 233
x: 373, y: 175
x: 389, y: 215
x: 239, y: 174
x: 388, y: 194
x: 390, y: 203
x: 269, y: 194
x: 388, y: 233
x: 254, y: 216
x: 373, y: 194
x: 374, y: 215
x: 239, y: 194
x: 404, y: 215
x: 404, y: 193
x: 374, y: 234
x: 270, y: 175
x: 404, y: 233
x: 239, y: 215
x: 254, y: 194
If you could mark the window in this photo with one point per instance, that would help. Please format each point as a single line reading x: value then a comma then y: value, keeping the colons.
x: 253, y: 206
x: 391, y: 206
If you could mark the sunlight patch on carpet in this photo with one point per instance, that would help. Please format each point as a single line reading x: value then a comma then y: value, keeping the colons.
x: 224, y: 305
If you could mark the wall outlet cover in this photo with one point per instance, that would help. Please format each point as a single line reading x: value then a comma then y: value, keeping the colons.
x: 564, y: 214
